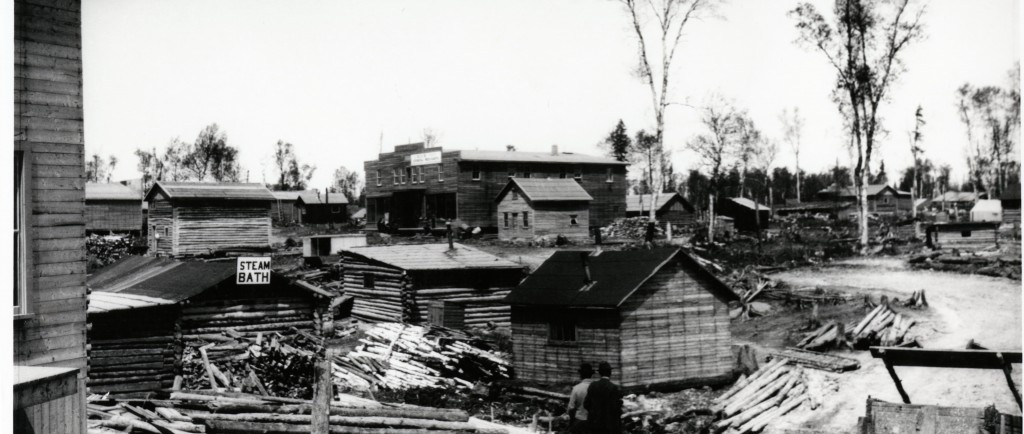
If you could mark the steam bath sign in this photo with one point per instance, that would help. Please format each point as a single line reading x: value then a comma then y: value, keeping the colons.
x: 253, y: 270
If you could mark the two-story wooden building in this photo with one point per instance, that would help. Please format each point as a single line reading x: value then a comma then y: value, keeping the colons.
x: 48, y: 280
x: 529, y: 208
x: 413, y: 185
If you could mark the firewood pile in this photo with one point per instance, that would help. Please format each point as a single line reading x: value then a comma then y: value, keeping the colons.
x: 633, y: 228
x: 987, y: 265
x: 106, y: 250
x: 179, y: 412
x: 396, y: 356
x: 753, y: 402
x: 881, y: 326
x: 131, y: 363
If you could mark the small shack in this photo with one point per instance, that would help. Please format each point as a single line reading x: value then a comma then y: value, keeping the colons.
x: 882, y: 198
x: 328, y: 245
x: 142, y: 310
x: 989, y: 210
x: 201, y: 218
x: 112, y: 208
x: 671, y: 207
x: 657, y: 316
x: 746, y: 214
x: 398, y: 283
x: 832, y: 209
x: 1010, y: 202
x: 529, y: 208
x: 963, y: 235
x: 282, y: 209
x: 316, y: 208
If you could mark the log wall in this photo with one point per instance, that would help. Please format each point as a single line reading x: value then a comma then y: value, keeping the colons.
x: 283, y: 212
x: 200, y: 229
x: 539, y: 359
x: 113, y: 216
x: 967, y: 240
x: 545, y: 218
x: 134, y: 350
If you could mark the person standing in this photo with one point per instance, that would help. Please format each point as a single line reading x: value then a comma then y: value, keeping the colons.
x: 604, y: 403
x: 578, y: 414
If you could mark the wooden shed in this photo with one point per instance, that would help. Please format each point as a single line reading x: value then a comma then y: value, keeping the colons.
x: 671, y: 207
x: 1010, y: 201
x: 317, y: 208
x: 987, y: 210
x: 327, y: 245
x: 397, y: 283
x: 201, y: 218
x: 282, y: 209
x: 111, y: 208
x: 142, y: 310
x: 963, y: 235
x: 537, y: 207
x: 657, y: 316
x: 745, y: 213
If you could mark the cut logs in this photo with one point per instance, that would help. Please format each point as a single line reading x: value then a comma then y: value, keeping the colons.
x: 754, y: 401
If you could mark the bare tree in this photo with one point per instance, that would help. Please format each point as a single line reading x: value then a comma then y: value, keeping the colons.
x: 670, y: 18
x: 748, y: 147
x: 864, y: 46
x: 793, y: 128
x: 211, y: 157
x: 431, y: 138
x: 348, y: 183
x: 916, y: 150
x: 291, y: 174
x: 715, y: 147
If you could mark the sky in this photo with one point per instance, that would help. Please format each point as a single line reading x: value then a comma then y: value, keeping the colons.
x: 344, y: 80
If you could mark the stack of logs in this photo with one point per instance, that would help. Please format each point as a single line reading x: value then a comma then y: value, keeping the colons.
x: 220, y: 412
x: 387, y: 300
x: 768, y: 393
x: 881, y: 326
x: 131, y: 364
x: 398, y: 357
x: 247, y: 316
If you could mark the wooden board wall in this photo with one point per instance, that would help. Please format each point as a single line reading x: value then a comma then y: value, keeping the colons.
x: 200, y: 229
x: 536, y: 358
x: 113, y: 215
x: 545, y: 218
x: 161, y: 221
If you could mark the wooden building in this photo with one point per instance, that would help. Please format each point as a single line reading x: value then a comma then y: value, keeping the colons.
x: 142, y: 310
x: 398, y: 283
x: 283, y: 210
x: 112, y: 208
x: 987, y: 210
x: 314, y: 207
x: 329, y: 245
x: 48, y: 209
x: 833, y: 209
x: 201, y: 218
x: 1010, y: 201
x: 956, y: 200
x: 882, y: 198
x: 963, y: 235
x: 414, y: 185
x: 657, y: 316
x: 671, y: 207
x: 530, y: 208
x: 745, y: 213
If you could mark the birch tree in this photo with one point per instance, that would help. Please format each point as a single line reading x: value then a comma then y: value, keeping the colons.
x: 915, y: 151
x: 792, y: 130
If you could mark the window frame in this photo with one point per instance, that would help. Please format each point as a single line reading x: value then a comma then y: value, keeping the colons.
x: 574, y: 220
x: 369, y: 280
x: 440, y: 172
x: 511, y: 171
x: 577, y: 173
x: 526, y: 219
x: 505, y: 226
x: 394, y: 176
x: 423, y: 173
x: 527, y: 173
x: 378, y: 177
x: 562, y: 330
x: 335, y: 209
x: 609, y: 176
x: 23, y: 262
x: 475, y: 173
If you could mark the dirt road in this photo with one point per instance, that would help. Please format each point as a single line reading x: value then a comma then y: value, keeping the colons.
x: 962, y: 307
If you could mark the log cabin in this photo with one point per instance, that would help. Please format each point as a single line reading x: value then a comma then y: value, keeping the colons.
x: 112, y: 208
x: 282, y: 209
x: 398, y: 283
x: 319, y: 208
x: 963, y: 235
x: 48, y: 286
x: 882, y: 199
x: 747, y: 216
x: 657, y: 316
x: 414, y: 184
x: 671, y: 208
x: 143, y: 309
x: 1010, y: 201
x: 530, y: 208
x: 203, y: 218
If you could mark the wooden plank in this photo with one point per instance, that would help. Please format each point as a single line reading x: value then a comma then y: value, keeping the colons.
x: 62, y: 171
x: 69, y: 234
x: 24, y: 10
x: 57, y: 256
x: 974, y: 359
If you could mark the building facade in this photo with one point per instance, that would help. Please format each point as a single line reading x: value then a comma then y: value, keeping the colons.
x: 200, y: 218
x: 414, y: 186
x: 112, y: 208
x: 529, y: 208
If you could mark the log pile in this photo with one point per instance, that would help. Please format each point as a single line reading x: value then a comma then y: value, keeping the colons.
x: 219, y: 412
x: 755, y: 401
x: 633, y: 228
x: 986, y: 265
x: 251, y: 316
x: 881, y: 326
x: 833, y: 334
x: 106, y: 250
x: 811, y: 359
x: 396, y: 356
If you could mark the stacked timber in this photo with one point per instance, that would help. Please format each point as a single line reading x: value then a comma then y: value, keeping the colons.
x: 755, y: 401
x: 831, y: 334
x: 131, y: 364
x: 480, y: 308
x: 380, y: 292
x: 398, y: 357
x: 882, y: 326
x: 251, y: 315
x: 281, y: 365
x: 811, y: 359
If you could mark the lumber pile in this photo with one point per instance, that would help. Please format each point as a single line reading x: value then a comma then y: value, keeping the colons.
x: 917, y: 300
x: 218, y: 412
x: 986, y: 265
x: 811, y: 359
x: 396, y: 356
x: 632, y: 228
x: 831, y: 334
x: 882, y: 326
x: 754, y: 401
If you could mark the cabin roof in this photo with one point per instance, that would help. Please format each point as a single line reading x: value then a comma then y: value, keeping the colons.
x: 812, y: 206
x: 615, y: 276
x: 211, y: 191
x: 642, y: 202
x: 988, y: 205
x: 432, y: 257
x: 872, y: 190
x: 958, y: 196
x: 103, y: 191
x: 546, y: 190
x: 313, y: 198
x: 359, y: 214
x: 536, y: 157
x: 749, y: 204
x: 154, y: 281
x: 286, y: 195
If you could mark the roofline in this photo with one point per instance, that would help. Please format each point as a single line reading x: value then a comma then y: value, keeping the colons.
x: 156, y: 184
x: 645, y: 279
x: 504, y: 191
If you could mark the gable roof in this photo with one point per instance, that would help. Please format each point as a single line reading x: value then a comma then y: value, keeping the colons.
x: 312, y: 198
x: 536, y: 157
x: 642, y: 202
x: 104, y: 191
x: 615, y: 276
x: 432, y: 257
x: 747, y: 203
x: 158, y: 280
x: 286, y: 195
x: 210, y: 190
x: 542, y: 190
x: 872, y: 189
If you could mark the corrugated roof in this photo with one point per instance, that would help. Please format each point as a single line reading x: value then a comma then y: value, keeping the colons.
x: 642, y: 202
x: 536, y: 157
x: 211, y: 190
x: 100, y: 302
x: 103, y: 191
x: 286, y: 195
x: 432, y: 257
x: 615, y: 276
x: 312, y: 198
x: 747, y: 203
x: 160, y: 278
x: 543, y: 190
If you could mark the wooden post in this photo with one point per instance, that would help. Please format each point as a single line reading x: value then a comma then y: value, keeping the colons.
x: 1009, y: 380
x: 322, y: 391
x: 711, y: 218
x: 206, y: 364
x: 895, y: 379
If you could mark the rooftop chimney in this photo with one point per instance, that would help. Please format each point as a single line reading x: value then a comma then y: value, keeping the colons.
x: 554, y: 149
x: 451, y: 245
x: 584, y: 256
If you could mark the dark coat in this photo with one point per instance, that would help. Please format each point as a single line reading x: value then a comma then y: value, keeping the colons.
x: 604, y: 405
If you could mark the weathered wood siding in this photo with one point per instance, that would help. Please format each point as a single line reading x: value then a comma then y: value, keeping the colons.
x: 203, y: 228
x: 283, y: 212
x: 539, y: 359
x: 545, y: 218
x: 321, y: 213
x: 133, y: 350
x: 113, y: 215
x: 161, y: 221
x: 48, y: 128
x: 677, y: 215
x: 674, y: 331
x: 65, y: 415
x: 967, y: 240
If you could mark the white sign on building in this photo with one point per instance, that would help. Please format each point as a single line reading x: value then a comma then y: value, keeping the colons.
x: 253, y: 270
x: 433, y: 157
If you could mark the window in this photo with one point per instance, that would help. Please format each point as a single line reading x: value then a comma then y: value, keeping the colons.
x: 511, y: 172
x: 378, y: 177
x: 403, y: 174
x: 167, y: 231
x: 965, y: 234
x: 526, y: 219
x: 515, y: 194
x: 573, y: 221
x: 21, y: 269
x: 440, y: 173
x: 527, y: 173
x: 476, y: 173
x: 563, y: 174
x: 423, y: 173
x: 885, y: 200
x: 577, y: 173
x: 394, y: 176
x: 506, y: 221
x: 562, y: 330
x: 608, y: 176
x: 369, y: 280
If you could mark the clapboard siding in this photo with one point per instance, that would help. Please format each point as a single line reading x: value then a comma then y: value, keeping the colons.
x: 545, y: 218
x: 113, y: 215
x: 537, y: 358
x: 201, y: 229
x: 160, y: 221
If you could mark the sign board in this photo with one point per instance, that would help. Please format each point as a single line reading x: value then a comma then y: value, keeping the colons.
x: 253, y: 270
x: 433, y: 157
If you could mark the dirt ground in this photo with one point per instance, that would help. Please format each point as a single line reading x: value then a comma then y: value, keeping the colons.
x: 962, y: 307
